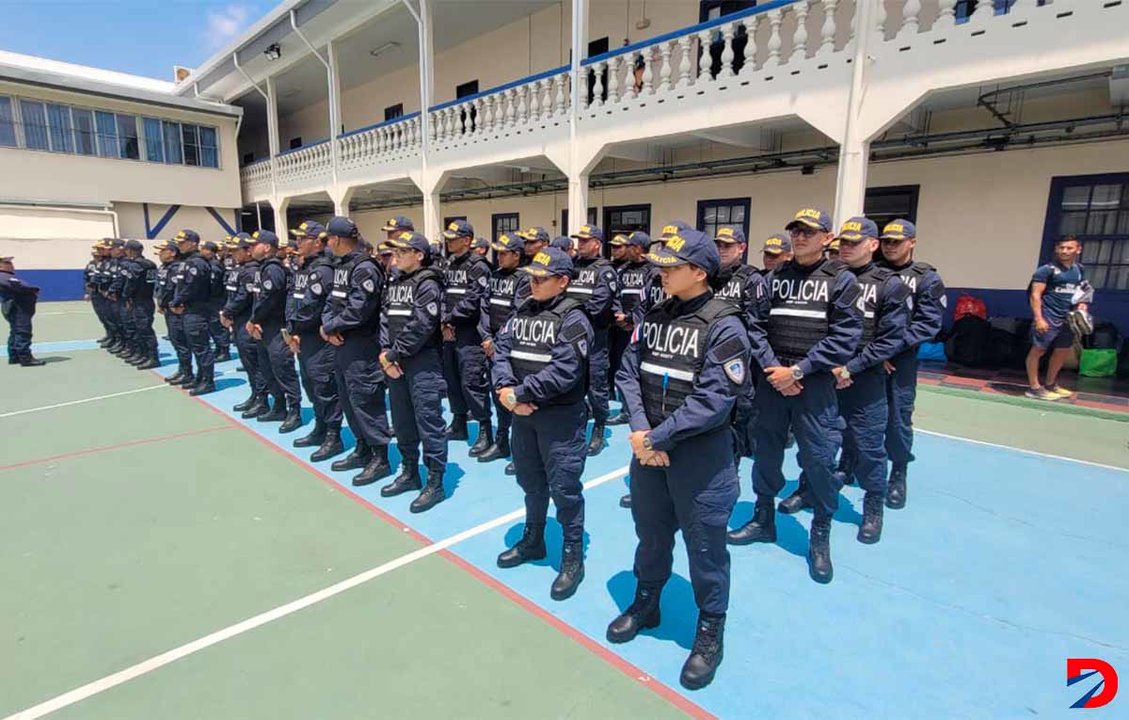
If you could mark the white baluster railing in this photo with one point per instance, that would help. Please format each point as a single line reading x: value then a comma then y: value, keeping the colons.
x: 519, y: 104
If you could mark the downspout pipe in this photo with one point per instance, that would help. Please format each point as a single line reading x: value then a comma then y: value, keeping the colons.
x: 332, y: 90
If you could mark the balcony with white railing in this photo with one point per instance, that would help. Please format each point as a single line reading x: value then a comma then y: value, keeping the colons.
x: 366, y: 154
x: 256, y: 181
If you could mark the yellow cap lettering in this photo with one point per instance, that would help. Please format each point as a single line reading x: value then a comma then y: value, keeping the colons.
x: 676, y: 243
x: 542, y: 258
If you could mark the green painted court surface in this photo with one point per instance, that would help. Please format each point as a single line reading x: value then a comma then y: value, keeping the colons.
x: 138, y: 523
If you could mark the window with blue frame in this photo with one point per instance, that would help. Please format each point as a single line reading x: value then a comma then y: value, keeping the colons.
x: 35, y: 125
x: 106, y: 133
x: 128, y: 146
x: 84, y: 135
x: 191, y: 145
x: 209, y: 147
x: 173, y: 152
x: 1096, y: 212
x: 154, y: 140
x: 60, y: 130
x: 7, y: 123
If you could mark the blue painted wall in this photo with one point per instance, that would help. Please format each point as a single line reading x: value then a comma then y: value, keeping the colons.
x: 1112, y: 306
x: 54, y: 284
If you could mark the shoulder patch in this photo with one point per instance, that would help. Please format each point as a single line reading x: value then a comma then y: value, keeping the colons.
x: 267, y: 284
x: 432, y: 309
x: 316, y: 288
x: 368, y: 285
x: 191, y: 269
x: 735, y: 371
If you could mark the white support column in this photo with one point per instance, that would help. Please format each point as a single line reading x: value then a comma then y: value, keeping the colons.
x: 280, y: 226
x: 577, y: 170
x: 334, y: 80
x: 854, y: 151
x: 273, y: 139
x: 579, y: 49
x: 341, y: 200
x: 432, y: 219
x: 577, y: 201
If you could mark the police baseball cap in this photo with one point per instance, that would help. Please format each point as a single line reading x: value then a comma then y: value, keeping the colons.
x: 243, y: 240
x: 674, y: 228
x: 730, y: 235
x: 811, y: 217
x: 589, y: 232
x: 639, y: 239
x: 561, y: 242
x: 777, y: 244
x: 618, y: 240
x: 833, y: 246
x: 187, y: 236
x: 7, y: 258
x: 550, y: 261
x: 162, y: 245
x: 206, y: 245
x: 266, y: 237
x: 134, y: 245
x: 899, y: 230
x: 857, y: 228
x: 113, y: 243
x: 346, y: 228
x: 410, y: 240
x: 458, y: 229
x: 507, y: 242
x: 309, y: 228
x: 480, y: 242
x: 534, y: 233
x: 384, y: 248
x: 399, y: 222
x: 689, y: 247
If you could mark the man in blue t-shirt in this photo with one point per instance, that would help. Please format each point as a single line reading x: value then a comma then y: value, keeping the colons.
x: 1052, y: 294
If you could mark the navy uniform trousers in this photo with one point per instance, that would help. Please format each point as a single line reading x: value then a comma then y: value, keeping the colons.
x: 19, y: 332
x: 360, y: 385
x: 175, y: 325
x: 417, y: 413
x: 315, y: 365
x: 220, y: 336
x: 697, y: 494
x: 549, y: 450
x: 813, y: 418
x: 598, y: 361
x: 145, y: 338
x: 901, y: 393
x: 863, y: 407
x: 467, y: 376
x: 199, y: 338
x: 249, y: 354
x: 276, y: 363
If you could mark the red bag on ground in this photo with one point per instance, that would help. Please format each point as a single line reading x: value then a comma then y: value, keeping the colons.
x: 969, y: 305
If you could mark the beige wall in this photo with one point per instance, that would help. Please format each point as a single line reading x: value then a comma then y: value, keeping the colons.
x: 131, y: 220
x: 51, y: 238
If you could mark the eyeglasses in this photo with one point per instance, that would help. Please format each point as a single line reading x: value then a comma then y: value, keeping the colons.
x: 804, y: 232
x: 536, y: 280
x: 892, y: 241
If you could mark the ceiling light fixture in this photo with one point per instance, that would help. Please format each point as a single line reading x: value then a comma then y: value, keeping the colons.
x: 273, y: 52
x: 378, y: 51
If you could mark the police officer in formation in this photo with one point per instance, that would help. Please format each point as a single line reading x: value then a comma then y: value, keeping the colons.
x: 220, y: 335
x: 236, y: 317
x: 192, y: 303
x: 681, y: 376
x: 509, y: 288
x: 267, y: 321
x: 541, y: 375
x: 351, y: 323
x: 412, y: 341
x: 313, y: 282
x: 17, y: 305
x: 174, y: 321
x: 467, y: 277
x: 140, y: 274
x: 899, y: 238
x: 777, y: 250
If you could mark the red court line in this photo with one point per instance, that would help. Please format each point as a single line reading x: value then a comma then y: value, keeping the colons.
x: 669, y: 694
x: 116, y: 446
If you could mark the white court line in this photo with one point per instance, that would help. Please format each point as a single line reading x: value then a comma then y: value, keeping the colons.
x: 1021, y: 450
x: 171, y: 656
x: 84, y: 400
x: 65, y: 312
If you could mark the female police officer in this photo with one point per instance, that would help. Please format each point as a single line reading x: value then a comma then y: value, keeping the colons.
x: 681, y: 375
x: 541, y: 376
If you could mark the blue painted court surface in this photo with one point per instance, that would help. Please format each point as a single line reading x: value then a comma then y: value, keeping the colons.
x: 1003, y: 564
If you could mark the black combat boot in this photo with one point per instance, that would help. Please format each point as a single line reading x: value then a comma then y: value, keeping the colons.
x: 596, y: 442
x: 246, y: 404
x: 457, y: 430
x: 896, y: 493
x: 223, y: 355
x: 293, y: 419
x: 510, y: 469
x: 571, y: 574
x: 642, y: 614
x: 762, y: 528
x: 277, y: 412
x: 797, y: 501
x: 705, y: 656
x: 258, y: 407
x: 206, y: 384
x: 314, y: 438
x: 500, y: 449
x: 432, y: 494
x: 376, y: 469
x: 484, y: 441
x: 30, y: 360
x: 870, y: 531
x: 625, y: 501
x: 357, y: 459
x: 176, y: 377
x: 152, y: 362
x: 406, y: 481
x: 819, y: 551
x: 620, y: 418
x: 530, y: 547
x: 186, y: 381
x: 330, y: 446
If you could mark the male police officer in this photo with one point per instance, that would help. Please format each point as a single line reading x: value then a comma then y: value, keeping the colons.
x: 681, y: 376
x: 862, y: 380
x: 312, y: 285
x: 90, y: 275
x: 535, y: 240
x: 351, y: 322
x: 508, y: 290
x: 119, y: 270
x: 464, y: 362
x: 140, y: 284
x: 168, y: 276
x: 219, y: 333
x: 595, y: 286
x: 634, y: 271
x: 410, y: 334
x: 899, y: 238
x: 540, y: 375
x: 268, y: 318
x: 813, y: 325
x: 17, y: 305
x: 192, y: 302
x: 236, y: 315
x: 777, y: 250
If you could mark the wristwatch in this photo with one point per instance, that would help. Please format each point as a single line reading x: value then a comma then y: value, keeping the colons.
x: 846, y: 374
x: 647, y: 444
x: 797, y: 373
x: 510, y: 399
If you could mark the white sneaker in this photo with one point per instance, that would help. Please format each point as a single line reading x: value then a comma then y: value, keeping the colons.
x: 1042, y: 394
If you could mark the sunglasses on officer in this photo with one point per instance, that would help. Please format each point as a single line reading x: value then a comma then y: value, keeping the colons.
x: 804, y: 232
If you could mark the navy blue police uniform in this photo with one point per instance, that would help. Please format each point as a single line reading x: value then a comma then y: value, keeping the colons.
x: 193, y: 293
x: 276, y: 361
x: 411, y: 336
x: 17, y: 305
x: 353, y: 312
x: 928, y: 292
x: 812, y: 324
x: 542, y: 355
x: 682, y: 374
x: 632, y: 279
x: 90, y: 289
x: 119, y: 270
x: 175, y: 323
x: 241, y: 291
x: 138, y: 291
x: 221, y: 338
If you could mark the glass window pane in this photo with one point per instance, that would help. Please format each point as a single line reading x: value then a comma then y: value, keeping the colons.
x: 7, y: 123
x: 723, y: 215
x: 1118, y: 278
x: 1072, y: 223
x: 737, y: 215
x: 1076, y: 197
x: 35, y: 125
x: 1123, y: 222
x: 1090, y: 252
x: 191, y: 145
x: 1105, y: 197
x: 209, y: 147
x: 61, y: 132
x: 154, y: 141
x: 173, y: 152
x: 107, y: 134
x: 710, y: 214
x: 83, y: 131
x: 1098, y: 275
x: 127, y: 137
x: 1105, y: 252
x: 1102, y: 222
x: 1121, y: 251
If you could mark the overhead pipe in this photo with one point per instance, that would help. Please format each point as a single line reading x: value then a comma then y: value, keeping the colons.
x: 331, y: 81
x: 990, y: 105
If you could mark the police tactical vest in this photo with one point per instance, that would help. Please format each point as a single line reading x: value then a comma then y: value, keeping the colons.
x: 231, y: 281
x: 912, y: 273
x: 801, y: 302
x: 457, y: 276
x: 632, y: 283
x: 503, y: 288
x: 732, y: 290
x: 585, y: 278
x: 147, y: 279
x: 400, y: 300
x: 534, y: 331
x: 218, y: 281
x: 872, y: 279
x: 343, y: 280
x: 671, y: 353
